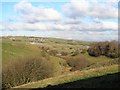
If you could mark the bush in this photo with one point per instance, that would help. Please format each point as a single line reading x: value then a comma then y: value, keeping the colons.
x: 83, y: 51
x: 53, y: 52
x: 64, y: 53
x: 109, y: 49
x: 44, y: 48
x: 43, y: 53
x: 78, y: 63
x: 24, y: 70
x: 94, y: 51
x: 112, y: 50
x: 74, y: 53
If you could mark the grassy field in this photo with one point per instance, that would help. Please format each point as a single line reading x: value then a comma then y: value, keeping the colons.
x: 57, y: 51
x: 23, y: 47
x: 11, y: 50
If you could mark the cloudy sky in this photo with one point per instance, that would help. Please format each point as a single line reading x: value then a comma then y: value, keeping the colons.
x: 88, y: 20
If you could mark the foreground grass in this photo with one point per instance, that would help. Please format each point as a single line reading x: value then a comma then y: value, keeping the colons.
x: 73, y: 76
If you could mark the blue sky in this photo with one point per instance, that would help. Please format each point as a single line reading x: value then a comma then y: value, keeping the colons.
x: 88, y: 20
x: 8, y: 8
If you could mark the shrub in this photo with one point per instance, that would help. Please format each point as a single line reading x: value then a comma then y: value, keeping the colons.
x: 44, y: 48
x: 74, y: 53
x: 83, y: 51
x: 53, y: 52
x: 94, y: 51
x: 112, y: 50
x: 63, y: 63
x: 109, y: 49
x: 43, y: 53
x: 24, y: 70
x: 64, y: 53
x: 78, y: 63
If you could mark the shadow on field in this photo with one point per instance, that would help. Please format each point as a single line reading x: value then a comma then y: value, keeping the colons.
x: 106, y: 81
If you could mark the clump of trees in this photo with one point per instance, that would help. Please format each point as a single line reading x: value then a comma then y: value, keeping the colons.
x: 26, y: 69
x: 109, y: 49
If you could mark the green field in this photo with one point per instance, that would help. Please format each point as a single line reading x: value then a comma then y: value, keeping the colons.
x: 57, y: 51
x: 18, y: 48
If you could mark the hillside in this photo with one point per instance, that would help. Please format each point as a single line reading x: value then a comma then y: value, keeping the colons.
x: 68, y: 58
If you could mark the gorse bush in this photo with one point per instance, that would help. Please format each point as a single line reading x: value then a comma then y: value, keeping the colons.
x: 26, y: 69
x: 109, y: 49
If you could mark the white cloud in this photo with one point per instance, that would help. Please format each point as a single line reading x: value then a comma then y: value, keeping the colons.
x: 110, y: 25
x: 87, y: 35
x: 90, y: 8
x: 74, y: 9
x: 71, y: 21
x: 99, y: 25
x: 40, y: 18
x: 63, y: 26
x: 112, y: 2
x: 2, y: 26
x: 31, y: 13
x: 28, y: 26
x: 37, y: 26
x: 48, y: 22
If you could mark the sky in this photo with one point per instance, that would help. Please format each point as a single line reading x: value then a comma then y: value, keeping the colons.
x: 86, y: 20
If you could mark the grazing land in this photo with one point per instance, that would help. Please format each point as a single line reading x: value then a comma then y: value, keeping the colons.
x: 36, y: 62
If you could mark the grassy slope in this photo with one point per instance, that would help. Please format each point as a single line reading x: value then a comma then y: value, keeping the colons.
x: 51, y: 40
x: 95, y: 59
x: 73, y: 76
x: 13, y: 49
